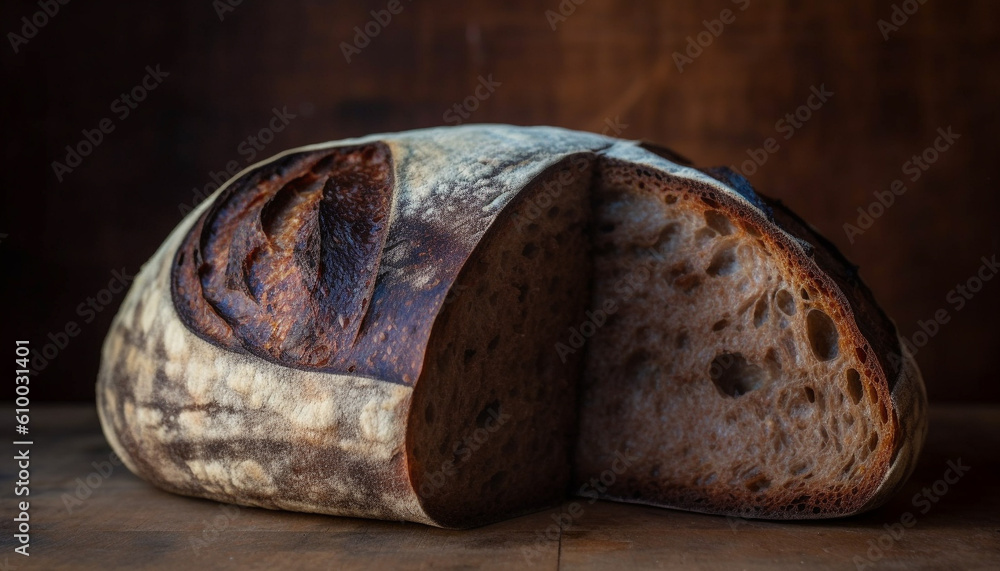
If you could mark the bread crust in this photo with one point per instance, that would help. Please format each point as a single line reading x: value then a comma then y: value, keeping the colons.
x: 198, y: 418
x: 895, y: 364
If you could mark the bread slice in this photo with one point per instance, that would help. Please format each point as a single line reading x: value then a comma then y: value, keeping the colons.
x: 490, y: 432
x: 396, y: 327
x: 732, y: 371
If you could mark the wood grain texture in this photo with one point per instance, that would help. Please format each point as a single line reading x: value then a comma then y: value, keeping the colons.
x: 125, y: 523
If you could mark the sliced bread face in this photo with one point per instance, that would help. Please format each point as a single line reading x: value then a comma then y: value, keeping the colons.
x: 732, y: 371
x: 490, y: 430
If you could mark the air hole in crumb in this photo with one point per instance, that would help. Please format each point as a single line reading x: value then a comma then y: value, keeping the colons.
x: 522, y: 293
x: 733, y: 376
x: 760, y: 312
x: 678, y: 270
x: 873, y: 441
x: 810, y: 394
x: 491, y: 410
x: 872, y: 393
x: 667, y: 235
x: 688, y: 283
x: 847, y: 467
x: 823, y: 335
x: 681, y: 342
x: 862, y: 354
x: 469, y: 354
x: 758, y: 484
x: 670, y: 198
x: 804, y: 294
x: 530, y: 250
x: 883, y: 412
x: 785, y: 302
x: 720, y: 325
x: 640, y: 365
x: 704, y: 235
x: 723, y: 262
x: 772, y: 360
x: 799, y: 468
x: 854, y: 388
x: 718, y: 222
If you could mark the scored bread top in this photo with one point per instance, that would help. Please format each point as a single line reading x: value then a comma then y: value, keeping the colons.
x: 324, y: 256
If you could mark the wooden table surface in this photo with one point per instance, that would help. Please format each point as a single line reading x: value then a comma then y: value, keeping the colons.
x: 81, y: 519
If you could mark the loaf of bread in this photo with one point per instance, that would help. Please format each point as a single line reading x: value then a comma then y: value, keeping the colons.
x: 453, y: 326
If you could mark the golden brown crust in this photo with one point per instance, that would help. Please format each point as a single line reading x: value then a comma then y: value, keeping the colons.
x: 283, y: 265
x: 891, y: 360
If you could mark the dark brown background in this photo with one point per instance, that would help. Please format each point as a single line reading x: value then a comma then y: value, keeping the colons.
x: 607, y: 60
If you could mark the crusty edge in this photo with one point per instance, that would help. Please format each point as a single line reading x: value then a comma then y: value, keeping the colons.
x: 909, y: 399
x: 169, y: 401
x: 903, y: 378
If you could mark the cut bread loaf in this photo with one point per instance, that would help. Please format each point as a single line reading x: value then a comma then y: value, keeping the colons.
x: 732, y: 371
x: 398, y: 327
